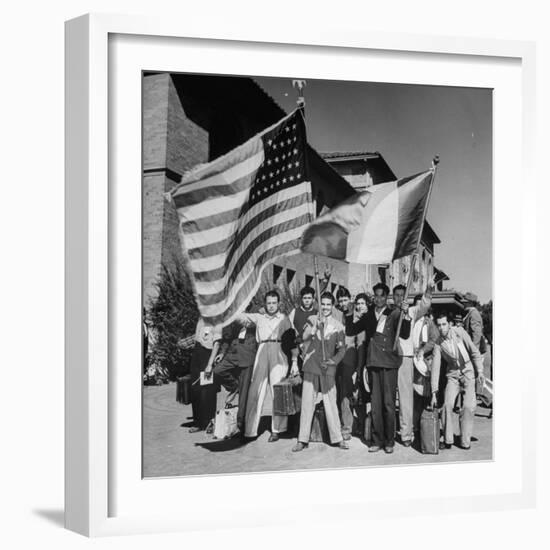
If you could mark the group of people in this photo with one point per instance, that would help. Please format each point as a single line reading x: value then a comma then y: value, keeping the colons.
x: 356, y: 357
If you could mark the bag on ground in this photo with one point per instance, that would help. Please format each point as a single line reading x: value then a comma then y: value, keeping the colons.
x: 183, y: 389
x: 429, y: 431
x: 225, y: 423
x: 319, y: 428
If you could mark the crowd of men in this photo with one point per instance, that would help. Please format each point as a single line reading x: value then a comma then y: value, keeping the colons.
x: 359, y: 358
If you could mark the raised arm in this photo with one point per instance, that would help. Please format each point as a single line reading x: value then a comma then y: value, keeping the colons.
x: 425, y: 303
x: 354, y: 328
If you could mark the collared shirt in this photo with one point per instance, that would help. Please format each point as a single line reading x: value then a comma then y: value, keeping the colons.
x: 206, y: 335
x: 417, y: 312
x: 268, y: 327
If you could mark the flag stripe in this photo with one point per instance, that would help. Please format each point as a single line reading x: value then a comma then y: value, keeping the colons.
x: 216, y: 247
x: 189, y: 199
x: 227, y: 183
x: 226, y: 169
x: 210, y: 222
x: 215, y: 256
x: 217, y: 204
x: 238, y: 294
x: 412, y: 201
x: 375, y: 239
x: 212, y: 240
x: 215, y: 281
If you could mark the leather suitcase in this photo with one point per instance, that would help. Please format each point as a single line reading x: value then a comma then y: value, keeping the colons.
x: 283, y: 398
x: 319, y: 429
x: 183, y: 390
x: 429, y: 431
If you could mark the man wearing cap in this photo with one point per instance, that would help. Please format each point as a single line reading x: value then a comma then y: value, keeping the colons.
x: 406, y: 368
x: 463, y: 363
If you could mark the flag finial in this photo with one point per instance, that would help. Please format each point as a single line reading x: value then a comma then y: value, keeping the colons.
x: 300, y: 85
x: 435, y: 161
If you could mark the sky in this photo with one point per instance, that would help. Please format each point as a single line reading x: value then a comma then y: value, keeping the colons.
x: 409, y: 125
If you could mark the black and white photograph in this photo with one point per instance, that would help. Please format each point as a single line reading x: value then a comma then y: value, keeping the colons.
x: 317, y: 274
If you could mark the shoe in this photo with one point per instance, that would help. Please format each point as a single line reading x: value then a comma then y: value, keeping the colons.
x: 273, y: 438
x: 346, y: 437
x: 388, y: 449
x: 194, y: 429
x: 464, y: 447
x: 343, y: 445
x: 407, y: 443
x: 443, y: 445
x: 299, y: 447
x: 374, y: 449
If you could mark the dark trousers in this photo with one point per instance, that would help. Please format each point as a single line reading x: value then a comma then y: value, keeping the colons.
x: 383, y: 387
x: 344, y: 385
x: 203, y: 398
x: 235, y: 378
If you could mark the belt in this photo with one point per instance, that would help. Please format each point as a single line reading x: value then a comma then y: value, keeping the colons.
x: 265, y: 341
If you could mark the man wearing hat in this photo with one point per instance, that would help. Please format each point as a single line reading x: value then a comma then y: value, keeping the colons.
x: 463, y: 365
x: 458, y: 321
x: 473, y: 323
x: 380, y: 325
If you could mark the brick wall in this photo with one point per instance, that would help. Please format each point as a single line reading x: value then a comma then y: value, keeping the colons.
x: 172, y: 144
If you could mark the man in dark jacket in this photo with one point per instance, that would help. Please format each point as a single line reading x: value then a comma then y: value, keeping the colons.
x: 233, y: 368
x: 380, y: 326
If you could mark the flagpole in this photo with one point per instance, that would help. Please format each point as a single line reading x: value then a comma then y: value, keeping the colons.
x: 414, y: 257
x: 301, y: 103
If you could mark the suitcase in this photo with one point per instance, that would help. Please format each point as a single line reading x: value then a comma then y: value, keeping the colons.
x: 429, y: 431
x: 225, y: 423
x: 183, y: 390
x: 319, y: 429
x: 284, y: 403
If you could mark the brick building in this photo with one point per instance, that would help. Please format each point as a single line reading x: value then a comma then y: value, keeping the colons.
x: 192, y: 119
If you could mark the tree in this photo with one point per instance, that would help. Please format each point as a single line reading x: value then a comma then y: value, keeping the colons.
x: 172, y: 315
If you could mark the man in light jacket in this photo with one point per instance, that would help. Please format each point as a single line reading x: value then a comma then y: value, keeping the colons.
x: 464, y: 364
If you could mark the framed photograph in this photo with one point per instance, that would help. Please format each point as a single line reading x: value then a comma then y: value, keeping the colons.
x: 288, y: 256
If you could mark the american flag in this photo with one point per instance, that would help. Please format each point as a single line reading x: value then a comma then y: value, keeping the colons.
x: 241, y: 212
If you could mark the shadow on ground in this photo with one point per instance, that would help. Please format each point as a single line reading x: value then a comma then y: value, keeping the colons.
x: 56, y: 517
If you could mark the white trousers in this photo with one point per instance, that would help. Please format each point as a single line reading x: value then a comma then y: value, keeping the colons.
x: 270, y: 367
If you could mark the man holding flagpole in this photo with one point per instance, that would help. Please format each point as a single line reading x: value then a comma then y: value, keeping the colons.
x: 380, y: 325
x: 379, y: 225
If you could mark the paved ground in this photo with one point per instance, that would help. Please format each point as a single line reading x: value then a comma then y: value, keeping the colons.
x: 170, y: 450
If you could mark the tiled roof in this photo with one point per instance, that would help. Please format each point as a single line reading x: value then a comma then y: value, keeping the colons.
x: 349, y: 154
